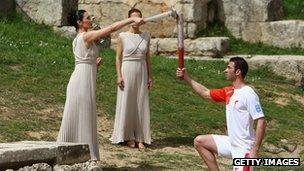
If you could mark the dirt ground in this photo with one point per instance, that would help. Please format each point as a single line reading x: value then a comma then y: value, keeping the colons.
x: 161, y: 155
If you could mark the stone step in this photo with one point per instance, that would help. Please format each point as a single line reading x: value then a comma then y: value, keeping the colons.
x: 203, y: 46
x: 25, y: 153
x: 284, y: 33
x: 288, y: 66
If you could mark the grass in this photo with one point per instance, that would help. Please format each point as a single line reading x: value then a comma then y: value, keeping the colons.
x: 36, y: 65
x: 182, y: 113
x: 293, y: 9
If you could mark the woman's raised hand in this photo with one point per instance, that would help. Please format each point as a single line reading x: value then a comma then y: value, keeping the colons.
x: 138, y: 21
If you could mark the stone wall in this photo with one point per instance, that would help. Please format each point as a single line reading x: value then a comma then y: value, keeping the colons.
x: 49, y: 12
x: 238, y: 14
x: 207, y: 46
x: 285, y: 33
x: 258, y: 21
x: 251, y: 20
x: 195, y: 13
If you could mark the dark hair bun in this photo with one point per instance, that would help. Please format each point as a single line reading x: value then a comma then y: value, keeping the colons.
x: 72, y: 19
x: 75, y: 16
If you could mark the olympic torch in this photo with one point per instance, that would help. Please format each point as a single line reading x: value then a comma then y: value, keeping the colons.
x: 180, y: 36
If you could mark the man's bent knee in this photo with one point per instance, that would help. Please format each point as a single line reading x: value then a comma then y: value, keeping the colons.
x: 199, y: 141
x: 205, y: 141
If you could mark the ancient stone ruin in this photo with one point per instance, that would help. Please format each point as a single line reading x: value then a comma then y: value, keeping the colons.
x: 251, y: 20
x: 25, y: 153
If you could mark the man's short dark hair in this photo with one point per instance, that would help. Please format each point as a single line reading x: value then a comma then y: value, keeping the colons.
x: 241, y: 64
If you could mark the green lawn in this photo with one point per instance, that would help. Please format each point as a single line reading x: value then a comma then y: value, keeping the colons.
x: 293, y: 9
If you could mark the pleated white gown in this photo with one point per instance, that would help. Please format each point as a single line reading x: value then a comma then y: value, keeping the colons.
x: 132, y: 118
x: 79, y: 116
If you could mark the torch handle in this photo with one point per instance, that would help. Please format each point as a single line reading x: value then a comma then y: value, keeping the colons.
x: 181, y: 53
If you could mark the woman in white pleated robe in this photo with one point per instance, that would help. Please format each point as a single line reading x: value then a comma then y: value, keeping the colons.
x: 79, y: 117
x: 134, y: 79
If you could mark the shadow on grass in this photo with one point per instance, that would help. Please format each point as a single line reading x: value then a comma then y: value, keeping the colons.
x: 141, y: 166
x: 159, y: 143
x: 171, y: 142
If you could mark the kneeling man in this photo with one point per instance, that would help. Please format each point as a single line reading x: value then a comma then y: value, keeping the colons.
x: 242, y: 109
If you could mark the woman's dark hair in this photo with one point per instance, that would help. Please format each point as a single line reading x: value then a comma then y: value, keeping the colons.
x: 132, y: 10
x: 75, y: 16
x: 241, y: 64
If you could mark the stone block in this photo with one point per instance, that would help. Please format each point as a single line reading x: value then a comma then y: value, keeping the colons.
x: 49, y: 12
x: 25, y: 153
x: 209, y: 46
x: 285, y: 33
x: 237, y: 13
